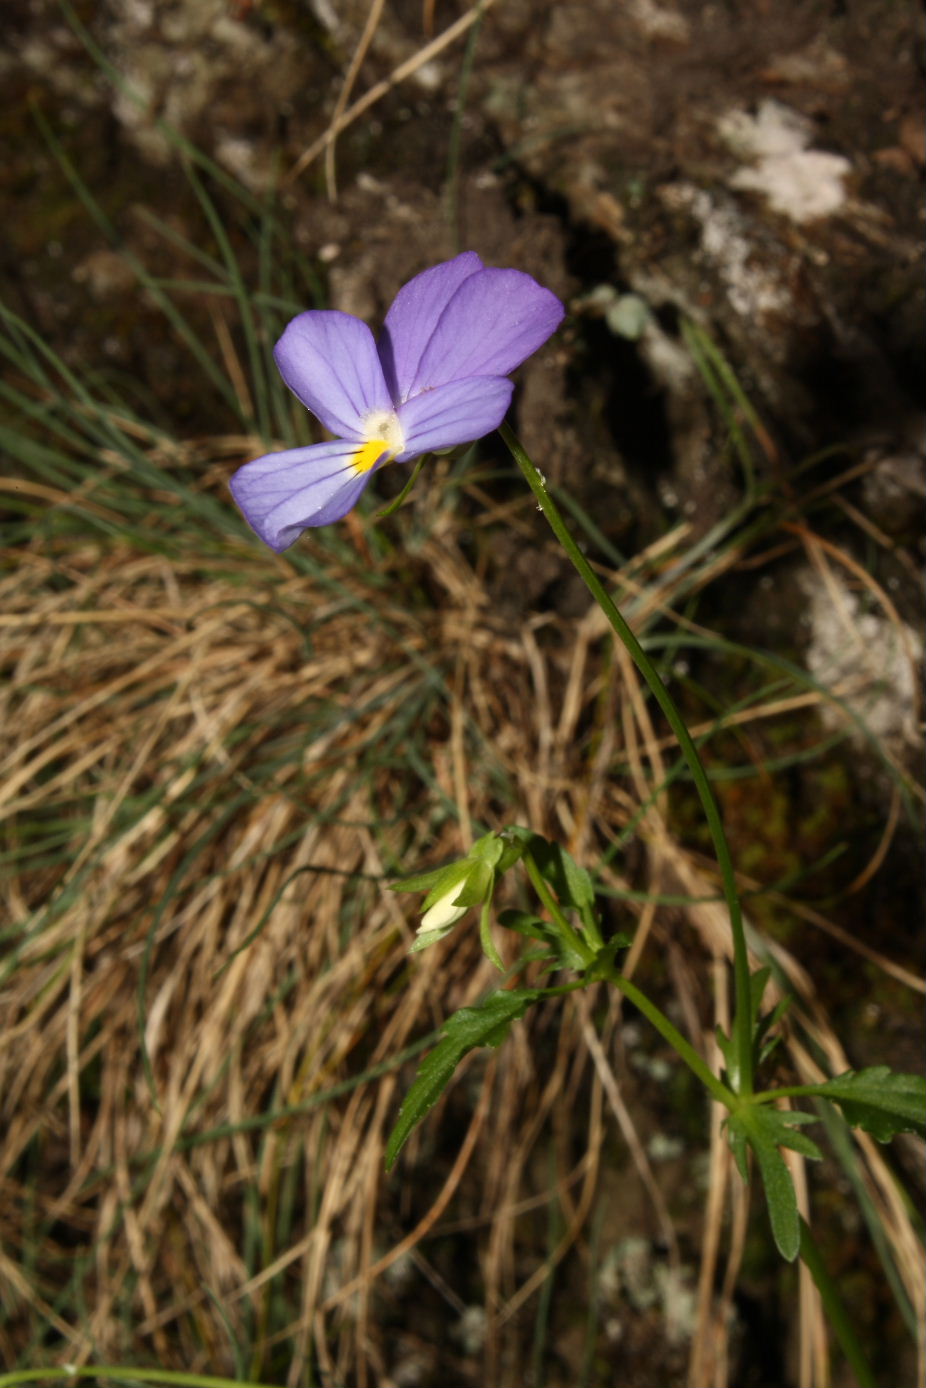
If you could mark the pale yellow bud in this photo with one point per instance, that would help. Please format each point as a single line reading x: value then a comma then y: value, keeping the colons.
x: 443, y: 914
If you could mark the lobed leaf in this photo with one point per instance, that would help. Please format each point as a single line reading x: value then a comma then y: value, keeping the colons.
x: 526, y: 923
x: 880, y: 1101
x: 484, y: 1025
x: 766, y: 1130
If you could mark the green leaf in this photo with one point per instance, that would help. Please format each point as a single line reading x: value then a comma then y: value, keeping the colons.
x: 419, y: 882
x: 535, y: 928
x: 739, y: 1147
x: 757, y: 983
x: 485, y: 1025
x: 781, y: 1200
x: 485, y: 939
x: 879, y: 1101
x: 526, y: 923
x: 771, y: 1019
x: 766, y: 1130
x: 606, y: 956
x: 572, y: 884
x: 728, y: 1051
x: 761, y: 1024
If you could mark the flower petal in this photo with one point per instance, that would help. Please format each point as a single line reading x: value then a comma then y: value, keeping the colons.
x: 281, y: 494
x: 413, y: 317
x: 495, y: 319
x: 328, y: 359
x: 455, y: 413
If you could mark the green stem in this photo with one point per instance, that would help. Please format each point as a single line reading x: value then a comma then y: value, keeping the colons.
x: 791, y: 1091
x: 742, y: 1026
x: 641, y: 1002
x: 836, y: 1312
x: 674, y: 1037
x: 570, y: 936
x: 169, y: 1376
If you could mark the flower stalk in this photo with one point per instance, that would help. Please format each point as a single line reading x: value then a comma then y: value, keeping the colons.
x: 742, y: 1027
x: 611, y: 974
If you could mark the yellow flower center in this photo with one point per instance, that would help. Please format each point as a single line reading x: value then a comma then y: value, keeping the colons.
x: 369, y: 454
x: 384, y: 436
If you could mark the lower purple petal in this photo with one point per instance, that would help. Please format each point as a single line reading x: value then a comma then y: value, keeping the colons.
x: 452, y: 414
x: 282, y: 494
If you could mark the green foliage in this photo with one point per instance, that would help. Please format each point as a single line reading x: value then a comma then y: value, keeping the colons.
x: 572, y: 884
x: 766, y: 1130
x: 763, y: 1044
x: 484, y: 1025
x: 880, y: 1101
x: 471, y: 881
x: 604, y: 964
x: 561, y: 952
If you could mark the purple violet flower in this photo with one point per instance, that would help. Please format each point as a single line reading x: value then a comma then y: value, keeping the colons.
x: 437, y: 378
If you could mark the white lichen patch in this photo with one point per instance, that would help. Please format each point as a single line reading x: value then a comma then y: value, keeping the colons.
x: 801, y: 183
x: 246, y: 161
x: 660, y: 21
x: 470, y: 1330
x: 633, y: 1271
x: 870, y: 661
x: 753, y: 288
x: 664, y: 1147
x: 177, y: 62
x: 679, y: 1302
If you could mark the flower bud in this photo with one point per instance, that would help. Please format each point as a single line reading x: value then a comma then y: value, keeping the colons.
x: 444, y: 913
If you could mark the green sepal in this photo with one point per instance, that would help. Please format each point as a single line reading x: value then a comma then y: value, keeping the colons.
x: 452, y: 876
x: 485, y: 938
x: 425, y: 938
x: 487, y: 857
x: 515, y: 838
x: 421, y: 881
x: 489, y: 849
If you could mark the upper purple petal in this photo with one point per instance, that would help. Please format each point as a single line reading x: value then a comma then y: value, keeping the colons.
x: 281, y: 494
x: 413, y: 317
x: 329, y: 360
x: 493, y: 322
x: 457, y: 412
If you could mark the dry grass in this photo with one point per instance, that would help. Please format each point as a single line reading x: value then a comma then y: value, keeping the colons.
x: 209, y: 783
